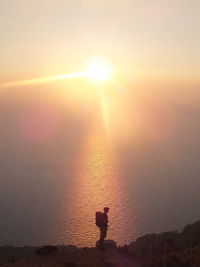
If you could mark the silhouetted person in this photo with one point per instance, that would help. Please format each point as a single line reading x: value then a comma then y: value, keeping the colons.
x: 102, y: 223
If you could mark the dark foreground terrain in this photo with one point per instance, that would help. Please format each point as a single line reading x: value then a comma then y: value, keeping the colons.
x: 152, y: 250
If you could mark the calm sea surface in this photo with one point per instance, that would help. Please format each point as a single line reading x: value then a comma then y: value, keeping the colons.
x: 49, y: 193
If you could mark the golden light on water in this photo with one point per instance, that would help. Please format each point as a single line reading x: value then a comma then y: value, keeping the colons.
x: 96, y: 185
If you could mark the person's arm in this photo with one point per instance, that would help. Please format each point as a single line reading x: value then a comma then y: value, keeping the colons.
x: 106, y: 220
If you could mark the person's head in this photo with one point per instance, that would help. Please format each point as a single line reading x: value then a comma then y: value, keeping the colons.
x: 106, y: 209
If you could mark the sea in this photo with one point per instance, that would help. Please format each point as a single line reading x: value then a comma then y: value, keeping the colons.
x: 63, y: 160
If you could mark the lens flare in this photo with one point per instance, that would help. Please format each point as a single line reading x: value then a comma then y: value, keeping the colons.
x: 42, y: 80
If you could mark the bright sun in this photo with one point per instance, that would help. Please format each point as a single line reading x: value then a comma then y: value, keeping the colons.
x: 99, y: 71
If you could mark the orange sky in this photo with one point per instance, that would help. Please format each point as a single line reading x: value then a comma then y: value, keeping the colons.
x: 155, y: 39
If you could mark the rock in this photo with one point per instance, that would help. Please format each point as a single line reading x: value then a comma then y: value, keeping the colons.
x: 71, y: 264
x: 68, y: 248
x: 46, y: 250
x: 153, y: 244
x: 123, y: 249
x: 108, y: 244
x: 12, y: 260
x: 191, y: 235
x: 86, y: 265
x: 141, y: 245
x: 109, y: 264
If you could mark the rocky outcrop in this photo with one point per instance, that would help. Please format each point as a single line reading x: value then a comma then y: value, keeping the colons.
x: 46, y: 250
x: 108, y: 244
x: 191, y: 235
x: 173, y: 247
x: 153, y: 243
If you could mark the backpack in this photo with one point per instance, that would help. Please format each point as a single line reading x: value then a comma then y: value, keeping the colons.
x: 99, y: 219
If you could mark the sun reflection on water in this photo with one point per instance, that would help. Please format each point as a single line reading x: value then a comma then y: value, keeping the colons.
x: 96, y: 184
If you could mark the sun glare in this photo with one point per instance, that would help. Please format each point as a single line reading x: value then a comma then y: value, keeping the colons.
x: 96, y: 70
x: 99, y: 71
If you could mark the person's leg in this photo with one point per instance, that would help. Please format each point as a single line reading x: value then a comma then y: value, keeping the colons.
x: 103, y: 233
x: 101, y: 239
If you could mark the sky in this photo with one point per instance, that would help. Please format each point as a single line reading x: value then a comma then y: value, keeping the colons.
x: 152, y: 47
x: 157, y: 38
